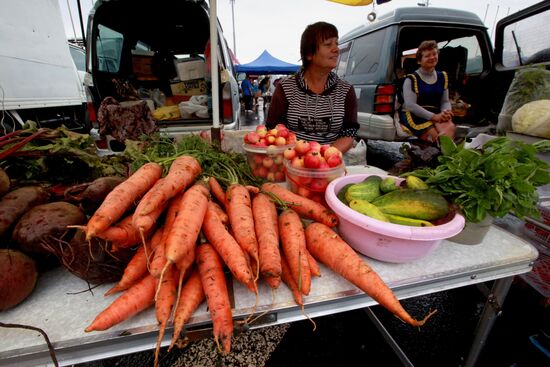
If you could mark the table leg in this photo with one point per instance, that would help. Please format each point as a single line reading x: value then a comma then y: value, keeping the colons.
x: 389, y: 339
x: 488, y: 317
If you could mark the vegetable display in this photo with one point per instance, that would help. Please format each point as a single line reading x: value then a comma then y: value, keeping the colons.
x: 187, y: 211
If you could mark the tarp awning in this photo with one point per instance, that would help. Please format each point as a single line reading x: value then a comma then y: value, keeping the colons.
x: 267, y: 64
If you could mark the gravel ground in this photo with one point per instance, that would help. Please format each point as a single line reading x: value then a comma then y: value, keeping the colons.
x: 251, y: 348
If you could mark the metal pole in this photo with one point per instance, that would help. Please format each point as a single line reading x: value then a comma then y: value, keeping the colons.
x: 488, y: 317
x: 233, y: 21
x: 81, y: 23
x: 215, y: 131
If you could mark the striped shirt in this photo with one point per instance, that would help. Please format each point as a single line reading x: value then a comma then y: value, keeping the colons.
x: 321, y: 117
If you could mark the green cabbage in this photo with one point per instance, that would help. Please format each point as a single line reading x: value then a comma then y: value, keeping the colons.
x: 533, y: 118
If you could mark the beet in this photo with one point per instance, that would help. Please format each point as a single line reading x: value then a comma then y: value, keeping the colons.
x: 47, y: 224
x: 90, y: 195
x: 18, y: 276
x: 17, y: 202
x: 91, y: 260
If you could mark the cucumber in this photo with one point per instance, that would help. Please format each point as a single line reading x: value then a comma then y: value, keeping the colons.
x: 364, y: 207
x: 368, y: 189
x: 417, y: 204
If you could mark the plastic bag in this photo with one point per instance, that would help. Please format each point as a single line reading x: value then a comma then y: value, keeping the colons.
x: 528, y: 85
x: 357, y: 155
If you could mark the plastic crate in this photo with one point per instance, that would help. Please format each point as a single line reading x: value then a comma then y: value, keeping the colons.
x: 539, y: 277
x: 539, y: 234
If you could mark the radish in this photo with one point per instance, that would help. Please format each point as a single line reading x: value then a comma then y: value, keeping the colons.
x: 17, y: 277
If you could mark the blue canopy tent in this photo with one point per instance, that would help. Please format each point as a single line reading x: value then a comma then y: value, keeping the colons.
x: 267, y: 64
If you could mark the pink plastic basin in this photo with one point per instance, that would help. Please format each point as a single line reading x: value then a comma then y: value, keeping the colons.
x: 386, y: 241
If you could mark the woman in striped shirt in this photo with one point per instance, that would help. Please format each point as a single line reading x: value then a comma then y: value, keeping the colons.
x: 314, y: 103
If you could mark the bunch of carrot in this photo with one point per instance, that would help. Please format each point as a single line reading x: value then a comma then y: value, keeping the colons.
x: 253, y: 231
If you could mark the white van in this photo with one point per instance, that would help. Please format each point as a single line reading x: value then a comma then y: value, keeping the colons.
x: 38, y: 78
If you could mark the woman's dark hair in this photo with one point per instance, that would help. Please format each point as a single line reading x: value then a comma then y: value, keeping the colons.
x: 313, y: 35
x: 425, y: 46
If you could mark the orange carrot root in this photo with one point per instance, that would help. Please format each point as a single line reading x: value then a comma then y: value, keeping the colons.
x: 122, y: 197
x: 302, y: 205
x: 136, y: 299
x: 293, y: 242
x: 215, y: 288
x: 329, y: 248
x: 267, y: 230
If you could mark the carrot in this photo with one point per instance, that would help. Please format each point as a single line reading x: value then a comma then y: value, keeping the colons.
x: 191, y: 297
x: 217, y: 190
x: 182, y: 237
x: 302, y: 205
x: 313, y: 265
x: 123, y: 234
x: 288, y: 279
x: 158, y: 257
x: 252, y: 189
x: 134, y: 271
x: 267, y: 231
x: 330, y: 249
x: 228, y: 248
x: 182, y: 173
x: 215, y: 289
x: 136, y: 299
x: 144, y: 223
x: 293, y: 241
x: 273, y: 282
x: 122, y: 197
x: 221, y: 214
x: 239, y: 210
x: 164, y: 303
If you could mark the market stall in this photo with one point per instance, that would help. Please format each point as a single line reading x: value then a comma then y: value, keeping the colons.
x: 63, y: 306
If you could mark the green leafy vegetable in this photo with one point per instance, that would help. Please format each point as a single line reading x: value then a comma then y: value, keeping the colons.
x: 500, y: 177
x: 227, y: 167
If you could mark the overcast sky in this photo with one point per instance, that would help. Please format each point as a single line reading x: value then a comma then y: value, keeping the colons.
x: 276, y: 25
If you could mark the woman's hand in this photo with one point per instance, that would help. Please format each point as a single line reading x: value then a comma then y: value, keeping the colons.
x: 443, y: 116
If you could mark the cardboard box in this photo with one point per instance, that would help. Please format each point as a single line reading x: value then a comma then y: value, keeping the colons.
x: 142, y: 67
x: 193, y: 87
x: 190, y: 68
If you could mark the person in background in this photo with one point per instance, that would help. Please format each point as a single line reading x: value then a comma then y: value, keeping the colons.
x: 265, y: 86
x: 314, y: 103
x: 248, y: 93
x: 426, y: 111
x: 255, y: 92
